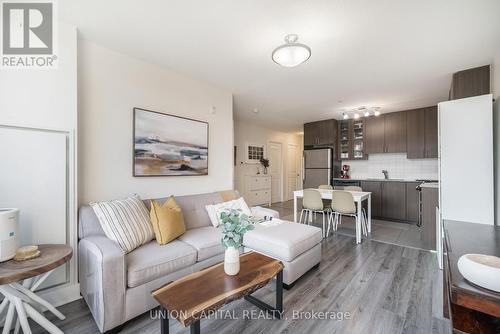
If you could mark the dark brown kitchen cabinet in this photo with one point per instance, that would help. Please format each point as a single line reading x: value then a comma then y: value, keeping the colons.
x: 395, y: 132
x: 415, y: 133
x: 431, y: 132
x: 351, y: 139
x: 310, y: 134
x: 374, y: 130
x: 394, y: 200
x: 375, y: 187
x: 322, y: 133
x: 412, y: 202
x: 327, y: 132
x: 471, y: 82
x: 421, y: 133
x: 430, y: 200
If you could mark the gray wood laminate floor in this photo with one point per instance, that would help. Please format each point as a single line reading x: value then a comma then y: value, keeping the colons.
x: 396, y: 233
x: 376, y: 287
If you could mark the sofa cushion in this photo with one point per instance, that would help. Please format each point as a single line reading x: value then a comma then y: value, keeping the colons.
x: 193, y: 208
x: 214, y: 210
x: 167, y: 220
x: 153, y: 260
x: 283, y: 241
x: 125, y: 221
x: 206, y: 240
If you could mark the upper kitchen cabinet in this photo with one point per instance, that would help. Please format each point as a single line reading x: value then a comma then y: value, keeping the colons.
x: 328, y: 132
x: 386, y: 133
x: 352, y: 139
x: 415, y: 132
x: 311, y: 132
x: 358, y: 139
x: 374, y: 133
x: 345, y: 149
x: 395, y: 132
x: 421, y: 133
x: 431, y: 132
x: 322, y: 133
x: 471, y: 82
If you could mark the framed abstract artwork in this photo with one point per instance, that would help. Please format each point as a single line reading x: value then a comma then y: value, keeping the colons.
x: 169, y: 145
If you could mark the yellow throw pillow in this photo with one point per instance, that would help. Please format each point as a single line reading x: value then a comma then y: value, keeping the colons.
x: 228, y: 195
x: 167, y: 220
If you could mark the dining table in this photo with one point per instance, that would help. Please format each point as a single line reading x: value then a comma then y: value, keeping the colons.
x: 358, y: 196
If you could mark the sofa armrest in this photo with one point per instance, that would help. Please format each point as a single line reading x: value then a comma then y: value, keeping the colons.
x: 261, y: 212
x: 102, y: 274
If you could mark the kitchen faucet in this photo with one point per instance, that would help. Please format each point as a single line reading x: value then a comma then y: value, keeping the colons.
x: 386, y: 174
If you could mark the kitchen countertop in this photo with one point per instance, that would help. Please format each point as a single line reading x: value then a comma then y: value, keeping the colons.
x: 430, y: 185
x: 380, y: 179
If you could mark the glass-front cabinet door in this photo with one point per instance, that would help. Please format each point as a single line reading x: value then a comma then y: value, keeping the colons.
x: 344, y: 140
x: 358, y: 139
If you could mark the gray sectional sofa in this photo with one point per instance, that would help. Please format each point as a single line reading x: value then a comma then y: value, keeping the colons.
x: 118, y: 287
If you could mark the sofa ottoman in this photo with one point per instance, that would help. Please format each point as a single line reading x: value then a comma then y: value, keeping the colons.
x: 298, y: 246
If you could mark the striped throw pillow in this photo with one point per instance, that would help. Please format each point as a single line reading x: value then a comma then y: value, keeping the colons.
x: 125, y: 221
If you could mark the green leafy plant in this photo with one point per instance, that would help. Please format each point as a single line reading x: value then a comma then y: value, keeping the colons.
x: 234, y: 225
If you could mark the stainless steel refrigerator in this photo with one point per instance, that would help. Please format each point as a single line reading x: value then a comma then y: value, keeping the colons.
x: 318, y: 167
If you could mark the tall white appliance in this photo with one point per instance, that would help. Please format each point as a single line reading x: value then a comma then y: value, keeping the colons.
x: 318, y: 167
x: 466, y: 191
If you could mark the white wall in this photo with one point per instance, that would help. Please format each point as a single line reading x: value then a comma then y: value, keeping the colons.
x: 110, y: 85
x: 398, y: 166
x: 39, y: 109
x: 244, y: 132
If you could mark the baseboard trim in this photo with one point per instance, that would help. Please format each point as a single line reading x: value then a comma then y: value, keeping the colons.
x: 62, y: 294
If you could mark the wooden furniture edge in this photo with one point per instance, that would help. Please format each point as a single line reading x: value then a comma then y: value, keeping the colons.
x: 41, y: 269
x: 215, y: 303
x: 469, y: 300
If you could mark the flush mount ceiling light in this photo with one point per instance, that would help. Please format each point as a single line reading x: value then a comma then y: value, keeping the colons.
x: 291, y: 53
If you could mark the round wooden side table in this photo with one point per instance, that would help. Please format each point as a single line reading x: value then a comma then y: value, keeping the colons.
x: 20, y: 298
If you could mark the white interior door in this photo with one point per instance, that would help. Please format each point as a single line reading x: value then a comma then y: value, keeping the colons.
x: 292, y: 170
x: 275, y: 156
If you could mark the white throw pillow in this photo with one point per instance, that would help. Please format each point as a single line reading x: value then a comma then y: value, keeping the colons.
x: 125, y: 221
x: 215, y: 210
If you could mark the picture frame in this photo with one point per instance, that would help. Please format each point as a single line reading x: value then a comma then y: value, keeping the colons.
x: 254, y: 152
x: 168, y: 145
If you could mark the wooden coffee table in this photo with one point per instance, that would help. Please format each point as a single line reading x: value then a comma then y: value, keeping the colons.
x: 20, y: 298
x: 192, y: 297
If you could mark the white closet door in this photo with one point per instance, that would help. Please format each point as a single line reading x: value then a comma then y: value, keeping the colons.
x: 34, y: 179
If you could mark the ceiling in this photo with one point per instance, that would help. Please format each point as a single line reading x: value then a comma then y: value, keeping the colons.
x: 388, y: 53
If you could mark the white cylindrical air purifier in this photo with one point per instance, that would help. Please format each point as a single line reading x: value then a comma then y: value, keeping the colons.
x: 9, y: 230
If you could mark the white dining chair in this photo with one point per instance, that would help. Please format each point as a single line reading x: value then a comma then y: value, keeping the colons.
x: 327, y: 203
x: 342, y: 205
x: 364, y: 220
x: 312, y: 203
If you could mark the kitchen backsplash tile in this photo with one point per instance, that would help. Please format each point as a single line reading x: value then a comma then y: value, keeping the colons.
x: 398, y: 166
